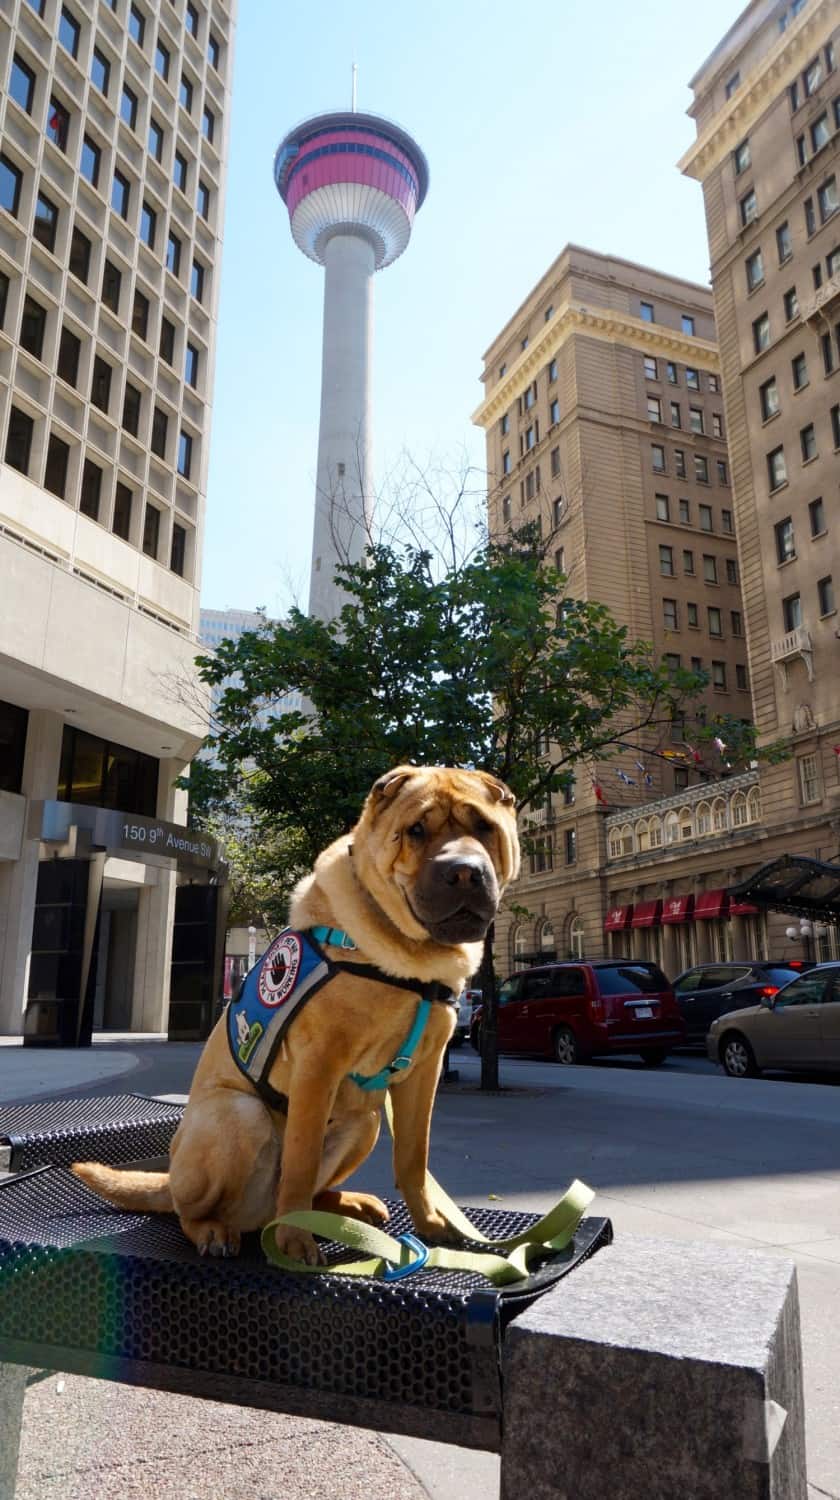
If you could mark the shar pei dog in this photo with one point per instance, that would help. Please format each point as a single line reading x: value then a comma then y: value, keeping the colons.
x: 350, y: 1000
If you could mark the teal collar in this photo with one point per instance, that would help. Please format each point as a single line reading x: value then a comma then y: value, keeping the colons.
x: 334, y: 937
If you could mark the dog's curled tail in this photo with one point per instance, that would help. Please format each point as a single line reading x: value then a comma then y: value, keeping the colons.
x: 148, y: 1192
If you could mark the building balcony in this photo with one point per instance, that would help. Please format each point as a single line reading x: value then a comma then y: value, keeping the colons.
x: 825, y: 300
x: 685, y: 819
x: 786, y: 648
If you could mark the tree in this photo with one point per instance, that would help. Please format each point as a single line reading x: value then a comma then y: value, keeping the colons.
x: 483, y: 663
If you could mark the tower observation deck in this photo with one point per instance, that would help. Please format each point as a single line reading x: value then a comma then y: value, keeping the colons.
x: 352, y: 184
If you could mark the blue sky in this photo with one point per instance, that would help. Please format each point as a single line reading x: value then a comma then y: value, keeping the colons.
x: 542, y: 124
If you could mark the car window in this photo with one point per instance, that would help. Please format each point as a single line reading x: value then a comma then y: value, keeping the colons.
x: 510, y: 990
x: 807, y: 990
x: 778, y: 975
x: 689, y: 981
x: 719, y: 974
x: 629, y: 979
x: 537, y: 987
x: 567, y: 982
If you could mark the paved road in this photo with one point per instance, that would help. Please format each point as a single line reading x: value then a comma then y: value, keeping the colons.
x: 679, y: 1152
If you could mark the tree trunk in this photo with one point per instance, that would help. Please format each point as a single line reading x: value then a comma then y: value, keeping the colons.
x: 489, y: 1012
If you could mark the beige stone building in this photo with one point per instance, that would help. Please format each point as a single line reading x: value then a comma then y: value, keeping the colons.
x: 604, y: 417
x: 767, y: 110
x: 113, y: 143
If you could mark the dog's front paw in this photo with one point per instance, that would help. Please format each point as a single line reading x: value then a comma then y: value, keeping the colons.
x: 297, y: 1244
x: 433, y: 1226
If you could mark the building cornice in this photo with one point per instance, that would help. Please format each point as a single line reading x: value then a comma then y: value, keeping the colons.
x: 597, y: 323
x: 778, y: 68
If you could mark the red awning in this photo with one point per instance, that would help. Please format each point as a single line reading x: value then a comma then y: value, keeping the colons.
x: 711, y: 904
x: 618, y: 919
x: 677, y: 909
x: 742, y: 909
x: 646, y: 914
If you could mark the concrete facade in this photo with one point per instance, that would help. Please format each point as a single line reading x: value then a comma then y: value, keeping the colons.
x: 111, y: 219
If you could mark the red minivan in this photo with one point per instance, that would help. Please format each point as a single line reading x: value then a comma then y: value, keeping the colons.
x: 572, y: 1011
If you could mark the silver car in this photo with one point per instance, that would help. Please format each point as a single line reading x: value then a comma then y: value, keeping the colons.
x: 798, y: 1028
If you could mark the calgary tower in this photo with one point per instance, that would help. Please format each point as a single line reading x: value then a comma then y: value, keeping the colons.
x: 352, y: 184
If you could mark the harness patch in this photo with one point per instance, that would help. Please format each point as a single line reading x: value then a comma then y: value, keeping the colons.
x: 288, y: 974
x: 279, y: 969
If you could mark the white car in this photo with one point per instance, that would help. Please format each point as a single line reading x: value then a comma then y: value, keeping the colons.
x: 466, y: 1000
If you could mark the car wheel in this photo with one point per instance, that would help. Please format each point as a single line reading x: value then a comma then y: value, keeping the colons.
x: 737, y: 1056
x: 654, y: 1057
x: 564, y: 1045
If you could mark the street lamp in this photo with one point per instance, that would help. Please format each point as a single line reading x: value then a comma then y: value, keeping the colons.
x: 252, y: 947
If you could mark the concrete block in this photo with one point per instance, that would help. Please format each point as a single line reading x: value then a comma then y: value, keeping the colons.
x: 660, y: 1369
x: 12, y: 1391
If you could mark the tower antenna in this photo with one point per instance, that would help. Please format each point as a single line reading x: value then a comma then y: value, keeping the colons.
x: 353, y: 92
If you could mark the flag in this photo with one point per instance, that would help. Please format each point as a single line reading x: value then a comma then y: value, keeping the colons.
x: 719, y: 744
x: 695, y: 753
x: 638, y: 765
x: 628, y: 780
x: 599, y: 794
x: 648, y: 779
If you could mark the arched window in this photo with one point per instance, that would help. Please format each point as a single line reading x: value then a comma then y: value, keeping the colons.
x: 576, y: 935
x: 614, y: 843
x: 547, y: 939
x: 672, y: 828
x: 520, y: 940
x: 740, y: 815
x: 686, y: 824
x: 642, y: 832
x: 754, y: 805
x: 627, y: 844
x: 720, y: 821
x: 655, y: 826
x: 704, y: 819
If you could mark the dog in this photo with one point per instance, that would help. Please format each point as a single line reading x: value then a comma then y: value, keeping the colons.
x: 414, y: 887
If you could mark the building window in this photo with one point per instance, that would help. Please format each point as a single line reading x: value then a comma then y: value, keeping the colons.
x: 148, y: 226
x: 90, y: 159
x: 185, y: 93
x: 197, y: 291
x: 825, y: 595
x: 571, y: 845
x: 761, y: 333
x: 19, y: 440
x: 755, y: 270
x: 160, y: 427
x: 111, y: 283
x: 827, y: 353
x: 670, y: 614
x: 726, y: 521
x: 679, y: 463
x: 663, y: 508
x: 835, y: 425
x: 692, y: 378
x: 58, y: 125
x: 791, y: 305
x: 554, y: 412
x: 179, y: 172
x: 167, y: 341
x: 710, y: 568
x: 69, y: 349
x: 140, y: 314
x: 719, y: 675
x: 688, y: 561
x: 203, y: 207
x: 820, y: 133
x: 191, y: 20
x: 741, y: 157
x: 120, y: 195
x: 692, y: 616
x: 185, y: 448
x: 530, y: 439
x: 155, y: 140
x: 91, y: 490
x: 100, y: 71
x: 827, y: 199
x: 208, y: 128
x: 651, y: 372
x: 784, y: 247
x: 69, y: 31
x: 785, y: 544
x: 735, y: 622
x: 715, y: 619
x: 646, y: 312
x: 178, y: 552
x: 55, y: 473
x: 695, y: 419
x: 776, y: 468
x: 671, y: 372
x: 676, y: 420
x: 808, y: 443
x: 22, y: 84
x: 136, y: 25
x: 654, y: 409
x: 506, y: 461
x: 714, y: 384
x: 33, y: 325
x: 173, y: 253
x: 122, y: 511
x: 732, y: 84
x: 816, y: 516
x: 723, y: 477
x: 131, y: 409
x: 100, y: 390
x: 706, y: 518
x: 151, y: 531
x: 658, y: 458
x: 672, y: 661
x: 768, y: 395
x: 80, y: 248
x: 812, y: 77
x: 731, y: 570
x: 799, y: 368
x: 45, y: 223
x: 749, y: 207
x: 191, y: 366
x: 792, y: 612
x: 808, y: 770
x: 214, y: 52
x: 701, y: 469
x: 666, y: 561
x: 506, y: 510
x: 687, y: 323
x: 810, y: 217
x: 128, y: 107
x: 162, y: 61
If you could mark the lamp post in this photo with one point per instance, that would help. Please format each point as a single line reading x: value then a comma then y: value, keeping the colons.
x: 252, y: 947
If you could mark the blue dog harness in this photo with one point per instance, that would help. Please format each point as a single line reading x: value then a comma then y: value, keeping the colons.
x: 290, y: 972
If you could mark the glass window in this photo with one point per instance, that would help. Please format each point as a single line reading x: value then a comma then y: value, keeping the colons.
x: 679, y: 463
x: 570, y: 842
x: 32, y: 327
x: 719, y: 675
x: 663, y: 508
x: 100, y: 71
x: 151, y: 531
x: 131, y: 409
x: 666, y: 561
x: 90, y: 159
x: 111, y: 283
x: 825, y: 595
x: 197, y: 281
x: 732, y: 84
x: 148, y: 225
x: 820, y: 133
x: 179, y: 172
x: 749, y: 207
x: 155, y: 140
x: 816, y: 515
x: 651, y: 372
x: 691, y: 616
x: 178, y: 553
x: 160, y: 426
x: 45, y: 222
x: 688, y: 560
x: 208, y: 124
x: 706, y: 518
x: 791, y: 305
x: 69, y: 349
x: 670, y: 614
x: 676, y: 419
x: 13, y: 726
x: 769, y: 397
x: 808, y: 772
x: 671, y: 372
x: 55, y: 473
x: 701, y: 469
x: 69, y: 31
x: 741, y: 157
x: 140, y: 314
x: 185, y: 93
x: 692, y: 378
x: 695, y: 418
x: 173, y: 253
x: 122, y: 511
x: 203, y: 202
x: 10, y: 182
x: 120, y: 195
x: 646, y: 311
x: 128, y: 106
x: 91, y: 489
x: 735, y: 621
x: 162, y: 61
x: 776, y: 468
x: 715, y: 620
x: 792, y: 612
x: 552, y: 364
x: 136, y: 25
x: 761, y: 333
x: 687, y: 323
x: 22, y: 84
x: 808, y: 443
x: 19, y: 440
x: 784, y: 247
x: 755, y: 270
x: 191, y: 365
x: 799, y: 368
x: 658, y: 458
x: 80, y: 248
x: 191, y: 21
x: 710, y: 568
x: 827, y: 199
x: 654, y: 409
x: 58, y: 124
x: 214, y: 54
x: 185, y: 449
x: 785, y: 544
x: 100, y: 391
x: 167, y: 341
x: 731, y: 570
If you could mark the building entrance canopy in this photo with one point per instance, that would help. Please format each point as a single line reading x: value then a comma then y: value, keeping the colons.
x: 804, y: 887
x: 118, y: 832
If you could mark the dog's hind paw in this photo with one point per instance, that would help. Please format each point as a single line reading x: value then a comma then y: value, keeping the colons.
x: 211, y: 1237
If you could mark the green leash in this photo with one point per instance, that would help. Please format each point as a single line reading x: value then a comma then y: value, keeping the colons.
x: 391, y: 1259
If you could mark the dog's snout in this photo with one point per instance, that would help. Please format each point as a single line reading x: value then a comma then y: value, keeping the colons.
x: 465, y: 871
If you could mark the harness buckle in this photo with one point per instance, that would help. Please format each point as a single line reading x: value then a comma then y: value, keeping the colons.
x: 398, y: 1064
x: 346, y: 940
x: 421, y: 1251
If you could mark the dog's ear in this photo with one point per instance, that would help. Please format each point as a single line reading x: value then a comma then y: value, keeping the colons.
x: 497, y: 789
x: 386, y: 788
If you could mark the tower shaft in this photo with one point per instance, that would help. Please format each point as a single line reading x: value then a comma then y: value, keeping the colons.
x: 343, y: 506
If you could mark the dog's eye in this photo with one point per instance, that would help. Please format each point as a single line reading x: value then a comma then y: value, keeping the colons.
x: 416, y: 831
x: 482, y: 826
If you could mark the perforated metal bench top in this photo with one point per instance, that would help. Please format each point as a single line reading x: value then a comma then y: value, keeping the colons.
x: 124, y: 1296
x: 115, y: 1128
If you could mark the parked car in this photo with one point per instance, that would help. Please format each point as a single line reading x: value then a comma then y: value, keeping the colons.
x: 466, y: 1004
x: 571, y: 1011
x: 708, y: 990
x: 798, y: 1028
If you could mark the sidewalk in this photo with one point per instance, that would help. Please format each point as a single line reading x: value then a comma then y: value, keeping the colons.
x: 93, y: 1440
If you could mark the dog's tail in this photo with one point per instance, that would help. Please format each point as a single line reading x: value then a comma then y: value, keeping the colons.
x: 148, y: 1192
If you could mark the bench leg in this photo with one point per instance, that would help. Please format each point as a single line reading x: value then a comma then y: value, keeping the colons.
x: 12, y: 1391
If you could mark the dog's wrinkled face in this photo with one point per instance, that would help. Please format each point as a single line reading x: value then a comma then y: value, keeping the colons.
x: 435, y: 848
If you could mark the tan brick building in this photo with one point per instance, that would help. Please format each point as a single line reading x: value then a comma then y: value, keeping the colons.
x: 604, y: 419
x: 767, y: 108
